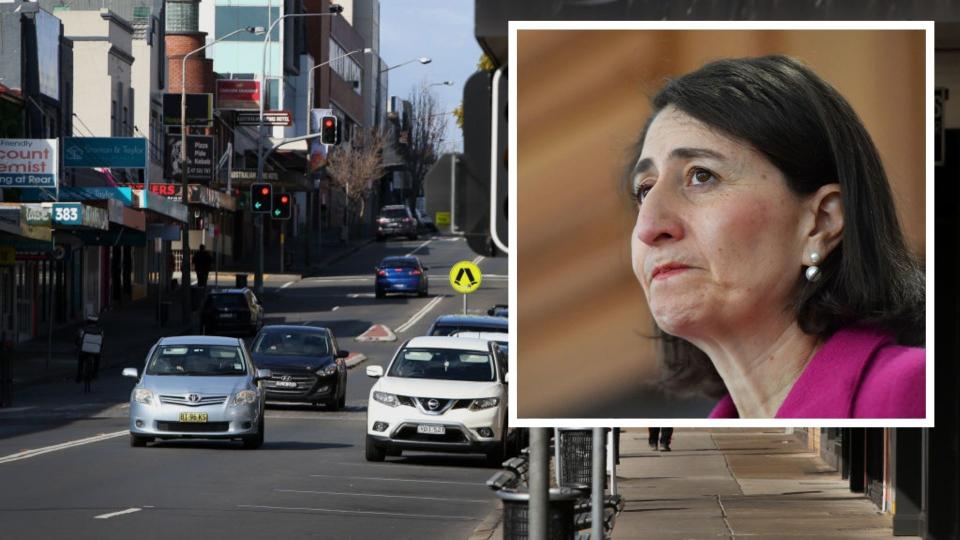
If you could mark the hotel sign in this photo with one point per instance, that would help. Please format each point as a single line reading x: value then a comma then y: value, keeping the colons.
x: 28, y: 163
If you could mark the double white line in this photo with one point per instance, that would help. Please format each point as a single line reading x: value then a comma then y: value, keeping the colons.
x: 26, y: 454
x: 419, y: 315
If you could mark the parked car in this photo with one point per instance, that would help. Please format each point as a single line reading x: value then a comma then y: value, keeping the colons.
x: 425, y: 221
x: 440, y: 394
x: 198, y: 387
x: 451, y: 324
x: 306, y: 362
x: 231, y: 312
x: 402, y: 275
x: 499, y: 310
x: 396, y: 220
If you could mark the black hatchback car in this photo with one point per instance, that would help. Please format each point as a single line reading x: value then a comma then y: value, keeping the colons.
x: 305, y: 362
x: 396, y: 220
x: 231, y: 311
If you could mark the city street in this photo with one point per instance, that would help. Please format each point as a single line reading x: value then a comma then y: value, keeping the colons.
x: 68, y: 470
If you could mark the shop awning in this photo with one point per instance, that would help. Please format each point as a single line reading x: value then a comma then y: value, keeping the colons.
x: 152, y: 202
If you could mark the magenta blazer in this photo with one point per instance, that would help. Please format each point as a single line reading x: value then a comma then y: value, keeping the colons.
x: 857, y: 373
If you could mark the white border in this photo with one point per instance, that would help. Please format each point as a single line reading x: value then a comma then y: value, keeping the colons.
x: 927, y: 26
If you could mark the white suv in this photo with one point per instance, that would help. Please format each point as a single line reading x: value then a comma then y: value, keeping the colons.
x: 441, y: 394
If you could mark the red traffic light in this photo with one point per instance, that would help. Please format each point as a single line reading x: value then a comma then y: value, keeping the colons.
x: 284, y: 199
x: 328, y: 122
x: 265, y: 191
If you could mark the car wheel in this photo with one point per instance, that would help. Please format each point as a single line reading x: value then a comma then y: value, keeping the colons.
x: 414, y: 236
x: 423, y: 294
x: 373, y: 452
x: 333, y: 405
x: 137, y: 441
x: 255, y: 441
x: 380, y: 238
x: 343, y: 400
x: 380, y: 293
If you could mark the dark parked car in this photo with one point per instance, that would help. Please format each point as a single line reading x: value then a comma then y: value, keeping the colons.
x: 447, y: 325
x: 231, y: 311
x: 396, y: 220
x: 305, y: 363
x: 402, y: 275
x: 499, y: 310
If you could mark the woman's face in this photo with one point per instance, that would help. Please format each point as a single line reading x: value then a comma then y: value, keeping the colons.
x: 717, y: 245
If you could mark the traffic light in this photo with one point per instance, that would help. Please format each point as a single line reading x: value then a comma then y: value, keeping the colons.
x: 329, y: 130
x: 261, y: 198
x: 281, y: 206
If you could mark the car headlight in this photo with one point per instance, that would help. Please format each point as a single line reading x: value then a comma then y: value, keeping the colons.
x: 329, y: 370
x: 386, y: 399
x: 142, y: 395
x: 244, y: 397
x: 485, y: 403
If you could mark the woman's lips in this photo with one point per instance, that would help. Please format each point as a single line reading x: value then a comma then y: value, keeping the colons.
x: 666, y: 270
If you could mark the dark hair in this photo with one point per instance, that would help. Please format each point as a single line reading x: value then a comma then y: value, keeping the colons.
x: 805, y: 128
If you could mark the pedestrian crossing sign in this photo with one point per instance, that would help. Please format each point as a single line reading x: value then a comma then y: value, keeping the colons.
x: 465, y: 277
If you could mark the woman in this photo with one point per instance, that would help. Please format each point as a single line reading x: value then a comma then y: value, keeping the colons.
x: 768, y: 247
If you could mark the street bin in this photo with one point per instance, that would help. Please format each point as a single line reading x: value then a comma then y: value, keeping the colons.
x: 574, y: 458
x: 165, y: 307
x: 242, y: 280
x: 196, y: 297
x: 560, y: 524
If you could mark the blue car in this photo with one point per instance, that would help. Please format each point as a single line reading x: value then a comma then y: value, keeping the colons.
x: 401, y: 275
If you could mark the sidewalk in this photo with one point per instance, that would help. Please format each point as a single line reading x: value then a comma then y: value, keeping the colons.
x: 731, y: 483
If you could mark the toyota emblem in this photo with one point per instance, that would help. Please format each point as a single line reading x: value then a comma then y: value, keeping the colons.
x: 193, y: 398
x: 433, y: 404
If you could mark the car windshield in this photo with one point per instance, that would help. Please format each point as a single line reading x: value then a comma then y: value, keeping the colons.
x: 228, y: 300
x: 394, y: 213
x: 443, y: 364
x: 197, y: 360
x: 450, y: 329
x: 292, y: 343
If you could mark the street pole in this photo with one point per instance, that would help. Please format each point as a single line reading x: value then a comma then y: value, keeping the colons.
x: 596, y: 493
x: 539, y: 481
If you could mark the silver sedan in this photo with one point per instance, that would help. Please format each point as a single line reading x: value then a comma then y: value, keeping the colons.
x: 198, y: 387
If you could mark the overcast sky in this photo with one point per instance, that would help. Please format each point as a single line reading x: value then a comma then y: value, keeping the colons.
x: 441, y: 30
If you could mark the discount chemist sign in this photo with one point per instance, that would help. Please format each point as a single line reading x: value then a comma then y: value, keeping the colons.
x: 28, y: 163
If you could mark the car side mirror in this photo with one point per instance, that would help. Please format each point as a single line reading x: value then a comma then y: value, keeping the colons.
x: 506, y: 377
x: 263, y: 374
x: 131, y: 372
x: 375, y: 371
x: 343, y: 354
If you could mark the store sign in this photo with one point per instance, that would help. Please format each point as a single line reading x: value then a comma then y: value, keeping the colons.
x: 238, y: 94
x: 115, y: 152
x: 28, y: 163
x: 199, y: 110
x: 270, y: 118
x: 243, y: 175
x: 200, y: 158
x: 122, y: 194
x: 68, y: 213
x: 37, y: 214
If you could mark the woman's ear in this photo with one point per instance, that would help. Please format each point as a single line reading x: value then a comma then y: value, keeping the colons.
x: 826, y: 207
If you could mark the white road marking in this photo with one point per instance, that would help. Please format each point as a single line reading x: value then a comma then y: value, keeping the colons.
x: 16, y: 409
x: 335, y: 308
x: 339, y: 279
x: 287, y: 284
x: 419, y: 247
x: 361, y: 295
x: 361, y: 512
x: 115, y: 514
x: 380, y: 495
x: 399, y: 480
x: 419, y: 315
x: 63, y: 446
x: 477, y: 259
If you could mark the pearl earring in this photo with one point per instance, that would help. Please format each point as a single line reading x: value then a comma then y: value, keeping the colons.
x: 813, y: 271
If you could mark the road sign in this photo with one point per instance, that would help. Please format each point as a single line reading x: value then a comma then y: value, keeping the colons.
x: 270, y: 118
x: 442, y: 218
x: 465, y: 277
x: 28, y: 163
x: 120, y: 152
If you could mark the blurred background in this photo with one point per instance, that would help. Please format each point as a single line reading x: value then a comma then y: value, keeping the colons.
x: 582, y: 98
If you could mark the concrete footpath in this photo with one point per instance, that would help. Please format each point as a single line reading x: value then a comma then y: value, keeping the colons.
x: 731, y: 483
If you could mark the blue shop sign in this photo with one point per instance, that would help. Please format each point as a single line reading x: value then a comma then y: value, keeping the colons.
x: 118, y: 152
x: 67, y: 213
x: 122, y: 194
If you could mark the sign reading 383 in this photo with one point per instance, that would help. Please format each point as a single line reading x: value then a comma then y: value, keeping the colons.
x: 68, y: 213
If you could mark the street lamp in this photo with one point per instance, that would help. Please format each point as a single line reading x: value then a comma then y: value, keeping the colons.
x: 423, y: 60
x: 310, y: 77
x: 334, y: 11
x: 185, y: 237
x: 444, y: 83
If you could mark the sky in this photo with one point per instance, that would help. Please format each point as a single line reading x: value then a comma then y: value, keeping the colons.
x: 441, y: 30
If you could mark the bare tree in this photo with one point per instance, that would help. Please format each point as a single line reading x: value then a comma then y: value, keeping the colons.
x: 354, y: 166
x: 428, y: 127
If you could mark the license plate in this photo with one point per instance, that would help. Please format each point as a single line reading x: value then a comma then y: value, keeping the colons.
x: 193, y: 417
x: 431, y: 429
x: 400, y: 286
x: 285, y: 384
x: 227, y: 315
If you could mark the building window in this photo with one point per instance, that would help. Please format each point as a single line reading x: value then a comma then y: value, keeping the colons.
x: 345, y: 66
x: 183, y: 17
x: 229, y: 18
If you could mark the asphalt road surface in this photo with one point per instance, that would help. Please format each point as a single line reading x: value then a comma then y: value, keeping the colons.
x: 67, y: 470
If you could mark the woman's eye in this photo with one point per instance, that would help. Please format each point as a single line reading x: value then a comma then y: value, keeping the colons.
x: 699, y: 176
x: 640, y: 193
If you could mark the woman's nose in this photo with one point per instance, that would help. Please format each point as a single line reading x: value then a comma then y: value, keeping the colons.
x: 658, y: 219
